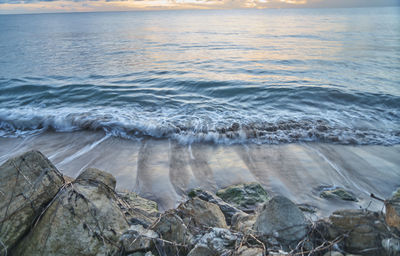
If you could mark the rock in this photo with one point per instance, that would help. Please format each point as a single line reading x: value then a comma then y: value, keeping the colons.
x: 396, y: 194
x: 216, y: 242
x: 365, y: 231
x: 306, y: 208
x: 171, y: 227
x: 391, y: 246
x: 227, y: 209
x: 245, y: 197
x: 200, y: 213
x: 333, y: 253
x: 280, y: 253
x: 243, y: 222
x: 393, y: 213
x: 27, y: 184
x: 282, y: 219
x: 245, y: 251
x: 138, y: 210
x: 201, y: 251
x: 83, y: 219
x: 338, y: 193
x: 272, y: 244
x: 141, y: 254
x: 138, y: 238
x: 96, y: 175
x: 137, y: 202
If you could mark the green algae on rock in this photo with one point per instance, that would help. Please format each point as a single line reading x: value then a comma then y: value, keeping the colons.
x: 338, y: 193
x: 396, y: 194
x: 245, y: 197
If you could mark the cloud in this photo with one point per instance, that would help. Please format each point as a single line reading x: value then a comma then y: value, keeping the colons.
x: 18, y: 6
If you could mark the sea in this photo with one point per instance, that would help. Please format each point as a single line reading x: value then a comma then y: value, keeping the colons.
x: 298, y: 100
x: 267, y: 76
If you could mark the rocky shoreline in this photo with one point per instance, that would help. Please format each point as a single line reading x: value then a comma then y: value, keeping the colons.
x: 43, y: 212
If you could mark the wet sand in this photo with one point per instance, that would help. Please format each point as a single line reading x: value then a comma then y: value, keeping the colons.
x: 164, y: 171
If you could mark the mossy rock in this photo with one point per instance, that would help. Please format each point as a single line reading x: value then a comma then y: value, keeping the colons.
x: 246, y: 196
x: 396, y: 194
x: 338, y: 193
x: 194, y: 192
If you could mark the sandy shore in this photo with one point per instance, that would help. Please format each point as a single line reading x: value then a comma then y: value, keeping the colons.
x: 164, y: 171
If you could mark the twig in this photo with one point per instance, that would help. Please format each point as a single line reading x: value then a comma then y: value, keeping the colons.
x: 377, y: 198
x: 4, y: 246
x: 258, y: 241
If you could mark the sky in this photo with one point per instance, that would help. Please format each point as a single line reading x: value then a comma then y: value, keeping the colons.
x: 41, y: 6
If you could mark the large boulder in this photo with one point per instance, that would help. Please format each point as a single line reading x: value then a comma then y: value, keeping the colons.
x: 83, y: 219
x: 200, y: 213
x: 227, y: 209
x: 282, y: 219
x: 364, y: 231
x: 245, y: 197
x: 27, y: 184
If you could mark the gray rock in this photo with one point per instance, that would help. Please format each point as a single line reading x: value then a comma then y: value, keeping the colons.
x: 391, y: 246
x: 171, y: 228
x: 282, y: 219
x: 141, y: 254
x: 245, y: 197
x: 96, y: 175
x: 83, y: 219
x: 201, y: 251
x: 138, y: 238
x: 333, y: 253
x: 216, y: 242
x: 365, y: 231
x: 246, y: 251
x: 280, y: 253
x: 227, y: 209
x: 138, y: 210
x: 200, y: 213
x: 27, y: 184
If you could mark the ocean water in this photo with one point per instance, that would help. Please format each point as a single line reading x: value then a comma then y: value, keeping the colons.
x: 225, y: 77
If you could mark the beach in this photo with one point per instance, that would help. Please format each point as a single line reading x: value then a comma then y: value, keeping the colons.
x: 246, y: 132
x: 166, y: 171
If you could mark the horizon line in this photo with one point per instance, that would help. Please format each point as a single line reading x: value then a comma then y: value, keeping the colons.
x: 199, y: 9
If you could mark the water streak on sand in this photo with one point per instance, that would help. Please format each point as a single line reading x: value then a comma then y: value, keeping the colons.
x: 164, y: 171
x: 336, y: 168
x: 84, y: 150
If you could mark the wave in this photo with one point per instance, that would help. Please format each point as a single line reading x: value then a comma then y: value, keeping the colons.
x: 213, y: 128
